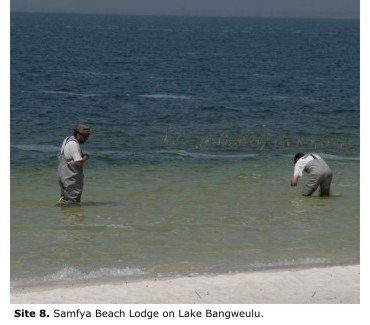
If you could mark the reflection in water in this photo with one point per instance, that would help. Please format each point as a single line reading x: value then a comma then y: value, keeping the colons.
x: 72, y: 214
x: 101, y: 203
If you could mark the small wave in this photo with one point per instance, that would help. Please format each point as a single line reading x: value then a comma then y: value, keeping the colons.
x: 220, y: 109
x: 62, y: 92
x: 330, y: 157
x: 184, y: 153
x: 166, y: 96
x: 98, y: 73
x: 112, y: 226
x: 51, y: 92
x: 37, y: 147
x: 71, y: 274
x: 308, y: 261
x: 158, y: 29
x: 175, y: 153
x: 335, y: 157
x: 115, y: 226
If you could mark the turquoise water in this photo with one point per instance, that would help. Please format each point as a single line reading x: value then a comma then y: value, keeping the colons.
x: 195, y: 124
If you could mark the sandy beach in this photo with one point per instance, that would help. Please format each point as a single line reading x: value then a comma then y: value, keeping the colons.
x: 319, y: 285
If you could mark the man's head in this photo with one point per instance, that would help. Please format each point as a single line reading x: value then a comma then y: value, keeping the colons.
x: 81, y: 133
x: 298, y: 156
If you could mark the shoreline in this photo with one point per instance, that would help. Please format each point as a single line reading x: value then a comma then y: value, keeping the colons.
x: 311, y: 285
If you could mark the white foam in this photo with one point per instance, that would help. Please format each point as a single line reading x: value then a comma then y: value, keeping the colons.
x: 71, y: 273
x: 292, y: 263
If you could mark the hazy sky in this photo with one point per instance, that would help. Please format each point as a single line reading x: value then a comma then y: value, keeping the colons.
x: 266, y: 8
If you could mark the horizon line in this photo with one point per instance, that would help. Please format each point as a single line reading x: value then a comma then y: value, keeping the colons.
x: 193, y: 14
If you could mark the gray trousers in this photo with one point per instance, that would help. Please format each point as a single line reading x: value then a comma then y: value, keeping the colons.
x: 319, y: 175
x: 71, y: 180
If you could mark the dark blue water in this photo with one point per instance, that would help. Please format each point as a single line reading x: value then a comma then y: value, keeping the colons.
x: 193, y: 119
x: 137, y: 80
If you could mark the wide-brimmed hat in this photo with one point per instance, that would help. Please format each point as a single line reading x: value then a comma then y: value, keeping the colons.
x: 82, y: 129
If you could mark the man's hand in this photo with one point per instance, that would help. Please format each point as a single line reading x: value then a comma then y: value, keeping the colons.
x: 294, y: 181
x: 80, y: 163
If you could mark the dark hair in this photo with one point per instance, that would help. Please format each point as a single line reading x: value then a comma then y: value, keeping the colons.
x: 297, y: 156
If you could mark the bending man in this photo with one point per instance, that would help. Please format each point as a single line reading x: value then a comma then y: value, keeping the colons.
x: 319, y: 173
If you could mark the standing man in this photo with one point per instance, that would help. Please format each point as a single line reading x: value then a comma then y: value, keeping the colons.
x: 319, y: 173
x: 70, y: 168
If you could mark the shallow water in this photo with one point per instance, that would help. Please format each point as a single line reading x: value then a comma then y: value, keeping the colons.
x: 195, y: 122
x: 189, y: 218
